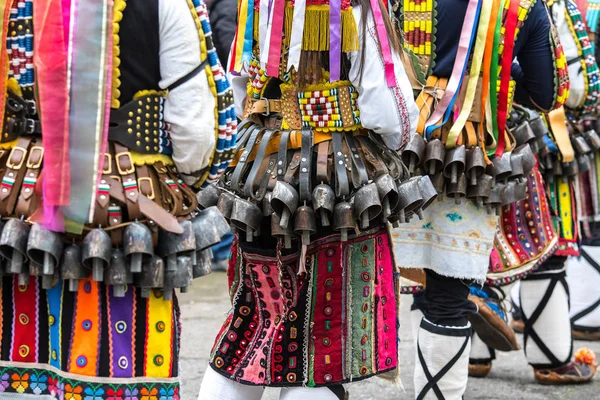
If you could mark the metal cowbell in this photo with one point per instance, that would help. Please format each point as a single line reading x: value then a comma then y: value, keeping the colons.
x: 203, y: 265
x: 344, y: 219
x: 305, y: 223
x: 208, y: 196
x: 246, y: 216
x: 435, y: 153
x: 209, y: 227
x: 323, y: 200
x: 96, y: 250
x: 454, y: 164
x: 281, y: 233
x: 527, y: 157
x: 475, y: 164
x: 179, y: 278
x: 481, y: 191
x: 13, y: 244
x: 284, y: 202
x: 44, y: 247
x: 137, y: 245
x: 151, y: 277
x: 388, y: 193
x: 225, y: 203
x: 173, y: 245
x: 71, y: 267
x: 414, y: 152
x: 116, y: 274
x: 367, y: 205
x: 457, y: 190
x: 427, y: 191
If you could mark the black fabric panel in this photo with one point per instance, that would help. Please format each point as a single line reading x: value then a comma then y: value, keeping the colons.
x: 104, y: 369
x: 44, y: 330
x: 7, y: 315
x: 140, y: 332
x: 66, y: 325
x: 140, y: 46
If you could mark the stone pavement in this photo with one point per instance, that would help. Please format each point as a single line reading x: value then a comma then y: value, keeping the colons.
x: 511, y: 378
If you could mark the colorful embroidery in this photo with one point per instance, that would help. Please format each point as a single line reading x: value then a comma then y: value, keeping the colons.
x: 326, y: 327
x: 85, y: 339
x: 160, y: 336
x: 24, y: 336
x: 121, y: 331
x: 55, y: 300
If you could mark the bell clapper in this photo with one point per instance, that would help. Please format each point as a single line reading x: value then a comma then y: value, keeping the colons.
x: 396, y: 224
x: 194, y: 258
x: 387, y: 211
x: 364, y: 221
x: 402, y: 217
x: 344, y: 234
x: 457, y: 199
x: 473, y: 177
x: 249, y: 234
x: 184, y: 289
x: 287, y: 241
x: 168, y: 293
x: 479, y: 201
x: 411, y: 163
x: 432, y: 168
x: 305, y: 238
x: 73, y: 285
x: 136, y: 263
x: 119, y: 290
x: 48, y: 264
x: 23, y: 279
x: 285, y: 218
x: 97, y: 270
x: 420, y: 214
x: 171, y: 262
x: 145, y: 292
x: 454, y: 174
x: 324, y: 217
x: 16, y: 262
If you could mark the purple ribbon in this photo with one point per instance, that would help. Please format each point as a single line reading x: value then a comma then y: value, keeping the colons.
x: 335, y: 44
x: 121, y: 320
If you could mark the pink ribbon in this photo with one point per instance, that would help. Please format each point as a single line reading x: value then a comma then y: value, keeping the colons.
x: 276, y: 38
x: 335, y: 45
x: 390, y: 77
x: 50, y: 61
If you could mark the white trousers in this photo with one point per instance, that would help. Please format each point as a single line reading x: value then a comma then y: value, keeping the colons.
x: 216, y: 387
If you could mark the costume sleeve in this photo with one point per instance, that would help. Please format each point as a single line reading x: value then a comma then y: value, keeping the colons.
x: 390, y: 112
x: 239, y: 85
x: 190, y: 107
x: 534, y: 74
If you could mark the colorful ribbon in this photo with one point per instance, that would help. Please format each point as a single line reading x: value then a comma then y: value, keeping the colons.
x: 467, y: 36
x: 90, y: 90
x: 243, y: 35
x: 390, y: 76
x: 264, y: 30
x: 335, y: 44
x: 5, y: 6
x: 297, y: 34
x: 275, y: 38
x: 507, y: 58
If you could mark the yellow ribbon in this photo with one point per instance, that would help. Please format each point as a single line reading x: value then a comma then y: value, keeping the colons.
x: 484, y: 21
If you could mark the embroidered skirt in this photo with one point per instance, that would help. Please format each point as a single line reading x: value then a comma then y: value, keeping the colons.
x: 336, y: 323
x: 87, y: 344
x: 525, y: 237
x: 452, y: 240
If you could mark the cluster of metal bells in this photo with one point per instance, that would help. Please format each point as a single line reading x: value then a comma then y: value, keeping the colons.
x: 382, y: 200
x: 31, y: 250
x: 462, y: 173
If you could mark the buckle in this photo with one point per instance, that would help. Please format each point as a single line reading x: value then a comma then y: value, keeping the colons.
x: 131, y: 169
x: 30, y: 107
x: 29, y: 126
x: 117, y: 178
x: 13, y: 105
x: 9, y: 162
x: 267, y: 107
x: 37, y: 164
x: 107, y: 162
x: 147, y: 179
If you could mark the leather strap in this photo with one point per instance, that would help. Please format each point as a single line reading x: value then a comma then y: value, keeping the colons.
x: 126, y: 170
x: 292, y: 168
x: 322, y: 162
x: 371, y: 158
x: 560, y: 134
x: 27, y: 201
x: 282, y: 154
x: 189, y: 75
x: 13, y: 175
x: 171, y: 195
x: 188, y: 197
x: 359, y: 171
x: 268, y: 176
x: 342, y: 187
x: 257, y: 164
x: 306, y: 165
x: 240, y: 168
x: 265, y: 107
x: 148, y: 208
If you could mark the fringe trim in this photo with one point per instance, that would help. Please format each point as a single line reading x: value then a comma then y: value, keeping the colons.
x: 316, y: 28
x: 119, y: 7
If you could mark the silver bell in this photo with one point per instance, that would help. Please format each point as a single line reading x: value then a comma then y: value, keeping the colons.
x: 71, y: 267
x: 523, y: 133
x: 455, y: 163
x: 475, y: 164
x: 13, y: 244
x: 281, y: 233
x: 267, y: 210
x: 516, y: 165
x: 537, y: 124
x: 434, y: 157
x: 225, y: 204
x: 173, y: 245
x: 44, y: 247
x: 502, y: 167
x: 527, y: 157
x: 117, y: 273
x: 457, y: 190
x: 388, y: 193
x: 152, y: 276
x: 580, y: 145
x: 410, y: 198
x: 208, y: 196
x: 343, y: 219
x: 284, y: 202
x: 247, y: 217
x: 203, y: 265
x: 305, y: 223
x: 584, y: 163
x: 510, y: 193
x: 570, y: 169
x: 494, y: 202
x: 137, y: 245
x: 427, y: 191
x: 521, y: 189
x: 481, y: 191
x: 413, y: 153
x: 179, y: 278
x: 323, y: 200
x: 51, y: 281
x: 209, y: 227
x: 96, y: 251
x: 367, y: 206
x: 592, y: 138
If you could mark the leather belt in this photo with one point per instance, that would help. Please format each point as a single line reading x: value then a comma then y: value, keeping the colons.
x: 257, y: 164
x: 306, y: 165
x: 265, y: 107
x: 126, y: 170
x: 323, y: 162
x: 243, y: 161
x: 359, y: 171
x: 342, y: 188
x: 13, y: 175
x: 282, y: 154
x: 26, y: 204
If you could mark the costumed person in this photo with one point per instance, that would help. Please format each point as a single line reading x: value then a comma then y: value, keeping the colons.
x: 115, y: 114
x: 326, y: 103
x: 583, y: 273
x: 465, y: 93
x: 568, y: 166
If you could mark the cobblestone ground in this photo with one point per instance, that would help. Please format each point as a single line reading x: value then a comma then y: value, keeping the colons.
x: 511, y: 378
